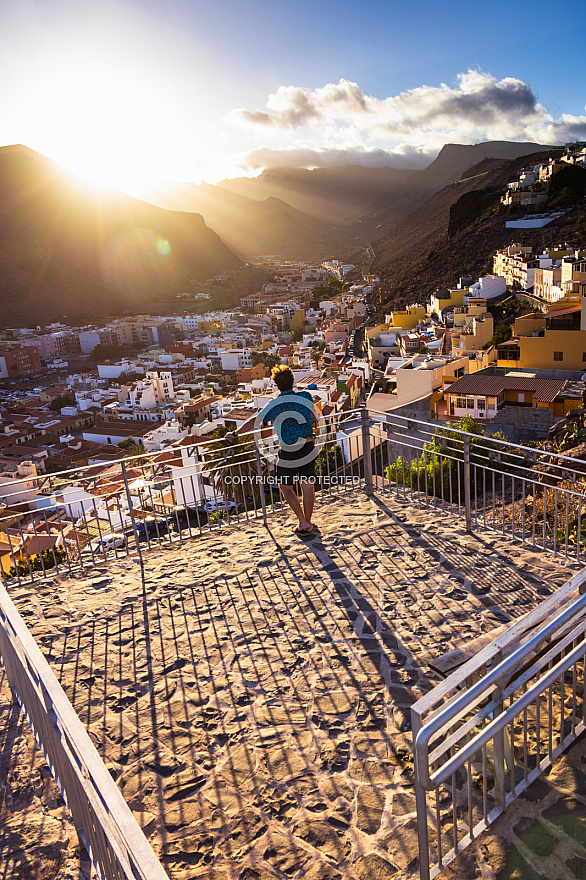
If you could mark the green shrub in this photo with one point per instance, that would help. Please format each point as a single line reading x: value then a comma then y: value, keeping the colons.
x: 439, y: 469
x: 50, y: 558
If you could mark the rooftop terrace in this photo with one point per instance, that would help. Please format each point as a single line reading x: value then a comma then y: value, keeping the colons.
x: 249, y: 690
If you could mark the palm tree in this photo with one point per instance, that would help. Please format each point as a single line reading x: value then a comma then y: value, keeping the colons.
x: 232, y: 464
x: 316, y: 357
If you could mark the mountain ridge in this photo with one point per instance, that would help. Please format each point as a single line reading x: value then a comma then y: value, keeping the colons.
x: 459, y: 229
x: 344, y: 206
x: 72, y: 249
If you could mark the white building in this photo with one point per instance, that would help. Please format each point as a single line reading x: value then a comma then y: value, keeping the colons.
x: 192, y: 485
x: 163, y: 436
x: 18, y: 483
x: 114, y: 371
x: 488, y: 286
x: 152, y: 391
x: 235, y: 359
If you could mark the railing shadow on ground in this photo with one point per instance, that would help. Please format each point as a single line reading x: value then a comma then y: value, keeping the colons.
x: 264, y: 620
x: 252, y: 628
x: 136, y: 692
x: 494, y: 575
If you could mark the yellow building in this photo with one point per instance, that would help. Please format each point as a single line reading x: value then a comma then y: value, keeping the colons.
x: 297, y: 320
x: 407, y: 319
x: 446, y: 299
x: 210, y: 327
x: 553, y: 341
x: 473, y: 327
x: 11, y: 551
x: 482, y: 396
x: 523, y: 198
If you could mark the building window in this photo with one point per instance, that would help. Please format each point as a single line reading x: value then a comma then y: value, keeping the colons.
x: 558, y: 355
x: 584, y: 355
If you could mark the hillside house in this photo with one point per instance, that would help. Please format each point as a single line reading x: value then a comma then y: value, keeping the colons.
x: 481, y: 396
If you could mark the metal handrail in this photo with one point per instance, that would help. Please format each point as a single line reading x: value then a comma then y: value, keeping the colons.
x: 504, y: 719
x: 486, y: 701
x: 458, y: 705
x: 117, y: 846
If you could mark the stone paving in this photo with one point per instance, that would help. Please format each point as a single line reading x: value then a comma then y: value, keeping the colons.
x: 37, y: 838
x: 249, y: 690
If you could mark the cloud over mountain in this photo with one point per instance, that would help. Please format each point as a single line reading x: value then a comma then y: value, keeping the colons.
x: 338, y: 121
x: 305, y: 157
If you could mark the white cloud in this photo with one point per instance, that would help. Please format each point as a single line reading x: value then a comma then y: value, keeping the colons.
x: 332, y: 123
x: 307, y: 157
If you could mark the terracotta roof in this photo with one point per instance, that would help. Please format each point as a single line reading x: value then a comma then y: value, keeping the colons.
x: 194, y: 405
x: 123, y: 428
x: 553, y: 313
x: 241, y: 413
x: 544, y: 389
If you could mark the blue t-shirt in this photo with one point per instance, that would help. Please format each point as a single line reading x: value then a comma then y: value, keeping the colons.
x: 290, y: 412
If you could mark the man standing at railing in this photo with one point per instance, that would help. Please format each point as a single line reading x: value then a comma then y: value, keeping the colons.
x: 293, y: 415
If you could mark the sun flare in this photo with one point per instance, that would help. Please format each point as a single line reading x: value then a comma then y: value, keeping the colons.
x: 108, y: 107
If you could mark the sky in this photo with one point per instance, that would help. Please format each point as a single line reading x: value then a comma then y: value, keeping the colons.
x: 137, y: 94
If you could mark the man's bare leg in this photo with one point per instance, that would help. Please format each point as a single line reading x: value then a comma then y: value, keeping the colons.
x: 290, y: 496
x: 308, y: 495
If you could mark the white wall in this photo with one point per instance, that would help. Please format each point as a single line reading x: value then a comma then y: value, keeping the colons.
x: 88, y: 339
x: 488, y: 286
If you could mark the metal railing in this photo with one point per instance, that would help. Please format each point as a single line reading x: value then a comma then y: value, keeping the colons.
x: 93, y: 514
x: 533, y: 496
x: 90, y: 515
x: 115, y: 843
x: 482, y: 736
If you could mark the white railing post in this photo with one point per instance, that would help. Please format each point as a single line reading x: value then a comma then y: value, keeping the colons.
x: 115, y: 843
x: 467, y: 505
x: 131, y: 511
x: 366, y: 452
x: 259, y: 473
x: 421, y: 806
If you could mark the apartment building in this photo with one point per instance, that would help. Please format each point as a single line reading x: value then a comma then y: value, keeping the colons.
x: 407, y: 319
x: 473, y: 327
x: 523, y: 198
x: 58, y: 344
x: 18, y: 483
x: 547, y: 283
x: 381, y: 342
x: 573, y: 274
x: 235, y: 359
x: 516, y: 264
x: 155, y: 389
x: 555, y: 340
x: 18, y: 360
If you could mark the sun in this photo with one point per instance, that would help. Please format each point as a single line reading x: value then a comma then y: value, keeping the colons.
x: 108, y: 106
x: 106, y: 120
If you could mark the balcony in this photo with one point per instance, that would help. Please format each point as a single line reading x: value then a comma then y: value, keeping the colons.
x: 250, y: 691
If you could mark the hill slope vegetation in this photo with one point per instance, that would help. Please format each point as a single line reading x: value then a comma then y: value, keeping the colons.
x: 302, y: 214
x: 69, y: 249
x: 459, y: 229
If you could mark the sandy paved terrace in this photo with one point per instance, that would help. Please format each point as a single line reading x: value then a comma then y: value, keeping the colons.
x: 250, y: 694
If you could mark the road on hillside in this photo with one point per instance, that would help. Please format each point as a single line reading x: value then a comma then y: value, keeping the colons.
x: 370, y: 253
